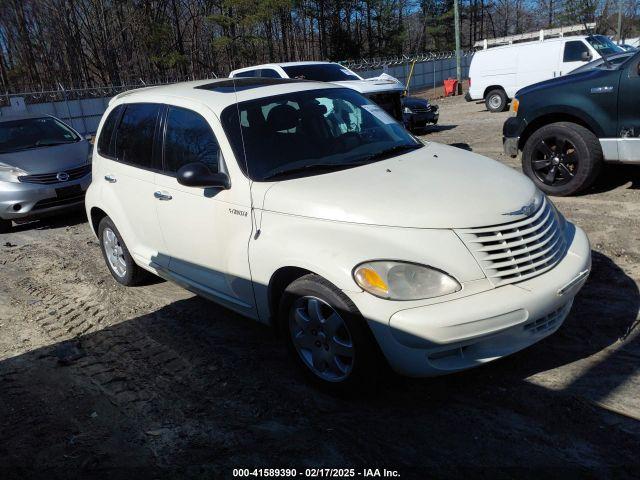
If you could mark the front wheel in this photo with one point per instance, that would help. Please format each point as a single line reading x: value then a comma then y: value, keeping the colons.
x: 562, y: 158
x: 496, y: 100
x: 326, y: 335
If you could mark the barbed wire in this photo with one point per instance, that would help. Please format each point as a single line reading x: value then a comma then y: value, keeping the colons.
x: 375, y: 63
x: 36, y: 94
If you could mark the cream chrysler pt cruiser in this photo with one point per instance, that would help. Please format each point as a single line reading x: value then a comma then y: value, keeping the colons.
x: 305, y: 206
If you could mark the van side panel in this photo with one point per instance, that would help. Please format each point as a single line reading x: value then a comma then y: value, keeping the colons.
x: 493, y: 67
x: 537, y: 62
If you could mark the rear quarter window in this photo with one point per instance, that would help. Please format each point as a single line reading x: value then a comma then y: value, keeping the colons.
x: 135, y: 134
x: 105, y: 144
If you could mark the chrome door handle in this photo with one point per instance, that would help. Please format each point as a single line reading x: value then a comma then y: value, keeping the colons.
x: 110, y: 178
x: 162, y: 196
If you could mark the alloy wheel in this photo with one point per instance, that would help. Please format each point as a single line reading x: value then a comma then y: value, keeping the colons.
x: 554, y: 161
x: 321, y: 338
x: 114, y: 252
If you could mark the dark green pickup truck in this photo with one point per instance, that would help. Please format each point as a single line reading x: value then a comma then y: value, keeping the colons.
x: 568, y: 126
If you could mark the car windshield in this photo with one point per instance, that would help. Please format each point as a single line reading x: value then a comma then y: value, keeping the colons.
x: 311, y: 132
x: 604, y: 45
x: 26, y: 133
x: 612, y: 63
x: 615, y: 61
x: 320, y: 72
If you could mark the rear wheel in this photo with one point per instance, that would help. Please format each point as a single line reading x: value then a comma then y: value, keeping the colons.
x: 562, y: 158
x: 117, y: 256
x: 5, y: 225
x: 496, y: 100
x: 326, y: 335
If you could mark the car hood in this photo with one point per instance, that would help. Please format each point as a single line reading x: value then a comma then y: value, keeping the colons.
x: 567, y: 80
x: 415, y: 102
x: 49, y: 159
x: 436, y: 186
x: 372, y: 86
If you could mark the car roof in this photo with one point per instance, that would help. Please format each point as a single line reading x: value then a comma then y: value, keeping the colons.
x: 283, y: 64
x: 220, y: 93
x: 8, y: 117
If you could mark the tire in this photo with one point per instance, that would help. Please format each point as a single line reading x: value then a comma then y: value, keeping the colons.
x: 5, y: 225
x: 362, y: 364
x: 576, y: 167
x: 130, y: 274
x: 496, y: 100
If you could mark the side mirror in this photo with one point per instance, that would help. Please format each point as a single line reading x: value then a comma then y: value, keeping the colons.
x: 197, y: 174
x: 586, y: 56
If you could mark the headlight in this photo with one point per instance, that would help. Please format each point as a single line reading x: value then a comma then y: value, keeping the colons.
x: 407, y: 110
x: 403, y: 281
x: 9, y: 173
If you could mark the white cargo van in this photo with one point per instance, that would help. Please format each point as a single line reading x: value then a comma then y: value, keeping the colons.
x: 497, y: 73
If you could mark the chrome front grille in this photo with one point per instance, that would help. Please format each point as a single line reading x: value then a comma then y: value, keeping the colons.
x: 422, y: 109
x: 516, y: 251
x: 50, y: 178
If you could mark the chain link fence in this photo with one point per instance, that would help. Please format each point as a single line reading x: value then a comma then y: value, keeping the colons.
x: 82, y: 108
x: 429, y: 69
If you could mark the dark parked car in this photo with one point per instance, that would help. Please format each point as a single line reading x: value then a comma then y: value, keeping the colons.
x: 568, y: 126
x: 417, y: 113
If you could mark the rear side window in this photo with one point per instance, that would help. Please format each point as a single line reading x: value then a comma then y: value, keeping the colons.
x: 106, y: 147
x: 247, y: 74
x: 135, y: 134
x: 188, y: 138
x: 269, y: 73
x: 573, y: 51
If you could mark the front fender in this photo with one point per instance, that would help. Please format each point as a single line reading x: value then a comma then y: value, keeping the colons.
x: 564, y: 111
x: 332, y: 249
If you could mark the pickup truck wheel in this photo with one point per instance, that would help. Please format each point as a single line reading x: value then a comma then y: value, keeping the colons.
x: 562, y: 158
x: 117, y: 257
x: 496, y: 100
x: 326, y: 335
x: 5, y: 225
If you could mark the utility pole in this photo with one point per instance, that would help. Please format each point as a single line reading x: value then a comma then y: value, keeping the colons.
x: 619, y: 22
x: 456, y: 19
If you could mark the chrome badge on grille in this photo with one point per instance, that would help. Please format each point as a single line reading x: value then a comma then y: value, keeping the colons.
x: 526, y: 210
x: 62, y: 176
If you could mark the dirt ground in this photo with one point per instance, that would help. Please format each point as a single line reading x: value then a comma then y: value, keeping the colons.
x: 170, y: 384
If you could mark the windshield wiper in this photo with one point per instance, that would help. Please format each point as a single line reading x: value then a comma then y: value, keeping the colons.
x: 387, y: 152
x: 311, y: 167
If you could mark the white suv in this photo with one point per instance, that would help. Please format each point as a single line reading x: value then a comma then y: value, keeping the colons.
x: 305, y: 206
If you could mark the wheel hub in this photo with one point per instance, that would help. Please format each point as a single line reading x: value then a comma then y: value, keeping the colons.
x: 554, y: 161
x: 114, y: 252
x: 321, y: 338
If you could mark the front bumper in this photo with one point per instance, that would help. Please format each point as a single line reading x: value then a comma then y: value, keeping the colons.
x: 510, y: 146
x: 511, y: 131
x: 472, y: 330
x: 421, y: 119
x: 29, y: 200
